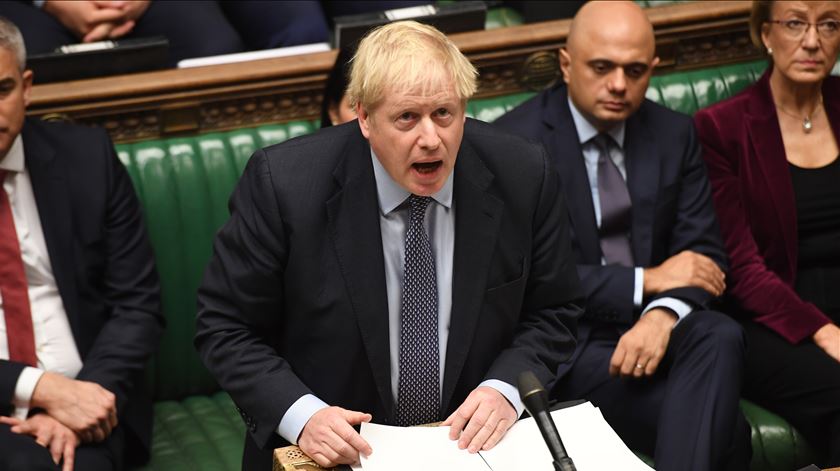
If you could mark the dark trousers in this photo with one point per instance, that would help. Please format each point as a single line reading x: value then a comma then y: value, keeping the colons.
x: 22, y: 453
x: 687, y: 414
x: 799, y: 382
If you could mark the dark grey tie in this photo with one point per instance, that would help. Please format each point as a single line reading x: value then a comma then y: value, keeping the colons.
x: 419, y: 383
x: 616, y: 210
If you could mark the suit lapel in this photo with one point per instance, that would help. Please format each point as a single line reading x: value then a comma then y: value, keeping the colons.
x: 563, y: 145
x: 643, y: 163
x: 769, y: 153
x: 52, y: 196
x: 477, y: 218
x: 353, y: 214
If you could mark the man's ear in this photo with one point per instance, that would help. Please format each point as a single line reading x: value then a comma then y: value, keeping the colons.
x: 565, y: 63
x: 27, y: 87
x: 364, y: 120
x: 654, y: 63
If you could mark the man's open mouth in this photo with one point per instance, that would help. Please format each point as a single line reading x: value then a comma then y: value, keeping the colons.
x: 427, y: 167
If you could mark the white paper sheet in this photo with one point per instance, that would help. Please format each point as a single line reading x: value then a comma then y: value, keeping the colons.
x: 591, y: 443
x: 415, y: 449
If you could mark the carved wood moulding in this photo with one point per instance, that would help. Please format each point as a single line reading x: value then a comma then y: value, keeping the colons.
x: 510, y: 60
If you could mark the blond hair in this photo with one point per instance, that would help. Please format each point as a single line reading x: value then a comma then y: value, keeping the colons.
x: 759, y: 15
x: 404, y: 56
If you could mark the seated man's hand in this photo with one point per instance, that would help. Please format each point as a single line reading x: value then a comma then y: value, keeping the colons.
x: 330, y: 439
x: 641, y: 348
x: 828, y: 338
x: 86, y: 408
x: 686, y: 268
x: 482, y: 420
x: 50, y: 434
x: 98, y: 19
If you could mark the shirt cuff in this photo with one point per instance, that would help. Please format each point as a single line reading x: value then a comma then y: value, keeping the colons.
x: 297, y: 416
x: 680, y: 308
x: 24, y: 388
x: 509, y: 392
x: 638, y: 286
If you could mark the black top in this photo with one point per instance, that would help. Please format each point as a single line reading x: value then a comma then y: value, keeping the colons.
x: 818, y: 213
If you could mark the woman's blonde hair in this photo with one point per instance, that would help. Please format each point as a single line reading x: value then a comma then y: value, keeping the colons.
x: 760, y: 14
x: 407, y: 56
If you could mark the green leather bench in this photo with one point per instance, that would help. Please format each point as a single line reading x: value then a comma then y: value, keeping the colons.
x: 184, y: 183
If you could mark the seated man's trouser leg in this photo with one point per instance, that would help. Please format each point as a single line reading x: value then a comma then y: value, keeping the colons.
x: 687, y: 414
x: 23, y: 453
x: 799, y: 382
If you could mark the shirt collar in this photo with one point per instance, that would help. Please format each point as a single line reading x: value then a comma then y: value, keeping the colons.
x: 586, y: 131
x: 13, y: 162
x: 391, y: 194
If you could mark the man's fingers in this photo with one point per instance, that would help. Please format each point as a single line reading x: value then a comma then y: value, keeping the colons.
x: 98, y: 32
x: 479, y: 429
x: 617, y: 359
x: 57, y: 446
x: 9, y: 420
x: 121, y: 29
x: 350, y: 437
x: 460, y: 418
x: 69, y: 455
x: 501, y: 428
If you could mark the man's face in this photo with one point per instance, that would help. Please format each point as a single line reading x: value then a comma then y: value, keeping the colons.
x: 416, y: 136
x: 15, y: 88
x: 607, y: 73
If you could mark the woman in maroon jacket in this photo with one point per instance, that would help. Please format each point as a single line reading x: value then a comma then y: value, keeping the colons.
x: 772, y: 155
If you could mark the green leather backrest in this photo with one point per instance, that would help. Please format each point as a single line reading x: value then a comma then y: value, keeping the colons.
x: 184, y: 184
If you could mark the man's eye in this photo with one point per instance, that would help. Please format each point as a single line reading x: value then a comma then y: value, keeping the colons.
x: 635, y: 71
x: 601, y: 67
x: 442, y: 112
x: 407, y: 116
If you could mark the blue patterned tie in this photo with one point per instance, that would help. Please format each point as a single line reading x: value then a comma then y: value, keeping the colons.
x: 615, y: 208
x: 419, y: 383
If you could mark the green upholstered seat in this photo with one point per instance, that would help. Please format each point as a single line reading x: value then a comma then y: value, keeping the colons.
x: 184, y: 183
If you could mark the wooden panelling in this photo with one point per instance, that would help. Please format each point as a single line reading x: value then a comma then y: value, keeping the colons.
x: 204, y: 99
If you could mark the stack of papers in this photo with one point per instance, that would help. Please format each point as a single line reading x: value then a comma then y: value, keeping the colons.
x: 589, y: 440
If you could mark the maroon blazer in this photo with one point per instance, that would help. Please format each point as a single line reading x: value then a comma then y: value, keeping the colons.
x: 754, y: 198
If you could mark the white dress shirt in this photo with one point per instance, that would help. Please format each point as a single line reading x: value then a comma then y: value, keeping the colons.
x: 54, y: 344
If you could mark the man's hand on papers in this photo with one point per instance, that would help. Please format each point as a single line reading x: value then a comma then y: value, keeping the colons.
x: 330, y: 439
x: 641, y: 348
x: 86, y: 408
x: 482, y: 420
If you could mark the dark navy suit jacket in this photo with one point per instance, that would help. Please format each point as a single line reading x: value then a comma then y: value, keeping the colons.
x: 294, y: 301
x: 669, y: 191
x: 102, y: 262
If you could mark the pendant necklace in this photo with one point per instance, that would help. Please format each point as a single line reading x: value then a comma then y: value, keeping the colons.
x: 807, y: 125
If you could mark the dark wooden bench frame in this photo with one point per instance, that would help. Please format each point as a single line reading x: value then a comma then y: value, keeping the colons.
x: 222, y: 97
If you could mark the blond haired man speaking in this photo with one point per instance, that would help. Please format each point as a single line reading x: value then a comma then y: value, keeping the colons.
x: 402, y: 268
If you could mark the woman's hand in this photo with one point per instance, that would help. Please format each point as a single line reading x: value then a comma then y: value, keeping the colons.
x: 828, y: 338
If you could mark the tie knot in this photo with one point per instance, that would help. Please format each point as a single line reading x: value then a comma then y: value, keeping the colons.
x: 418, y: 204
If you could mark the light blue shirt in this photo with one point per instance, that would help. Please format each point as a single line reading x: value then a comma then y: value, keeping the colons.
x: 586, y: 133
x: 393, y: 223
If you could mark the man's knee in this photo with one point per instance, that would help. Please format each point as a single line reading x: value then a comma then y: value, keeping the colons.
x: 28, y: 458
x: 716, y: 330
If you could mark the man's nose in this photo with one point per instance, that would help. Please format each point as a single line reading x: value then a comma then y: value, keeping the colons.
x: 429, y: 137
x: 617, y: 82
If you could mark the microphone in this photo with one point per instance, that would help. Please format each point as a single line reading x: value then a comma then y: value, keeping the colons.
x: 534, y: 397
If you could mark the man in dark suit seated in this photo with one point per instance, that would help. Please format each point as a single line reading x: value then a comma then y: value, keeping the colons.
x: 403, y: 268
x: 79, y: 295
x: 664, y: 368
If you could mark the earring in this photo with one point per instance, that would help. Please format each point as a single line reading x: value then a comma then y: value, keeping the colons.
x: 769, y: 51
